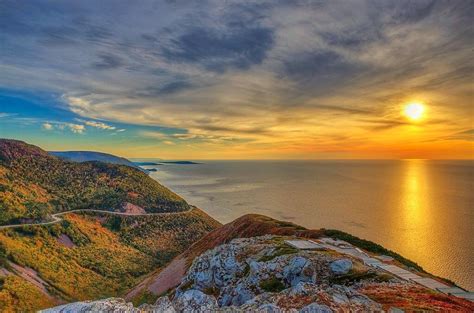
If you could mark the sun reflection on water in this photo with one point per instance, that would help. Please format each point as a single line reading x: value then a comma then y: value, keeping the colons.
x: 414, y: 213
x: 413, y: 200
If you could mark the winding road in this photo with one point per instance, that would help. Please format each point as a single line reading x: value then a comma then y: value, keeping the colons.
x: 56, y: 216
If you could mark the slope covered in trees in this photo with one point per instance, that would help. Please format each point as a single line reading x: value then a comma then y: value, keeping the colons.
x: 90, y: 255
x: 34, y: 184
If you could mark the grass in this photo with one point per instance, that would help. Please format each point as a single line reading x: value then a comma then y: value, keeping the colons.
x: 246, y: 270
x: 352, y: 277
x: 272, y: 285
x: 281, y: 250
x: 289, y: 224
x: 144, y: 297
x: 212, y: 291
x: 187, y: 285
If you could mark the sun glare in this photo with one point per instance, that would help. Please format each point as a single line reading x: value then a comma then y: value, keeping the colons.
x: 414, y: 111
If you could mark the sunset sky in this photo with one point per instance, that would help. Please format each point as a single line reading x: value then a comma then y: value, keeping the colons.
x: 239, y: 79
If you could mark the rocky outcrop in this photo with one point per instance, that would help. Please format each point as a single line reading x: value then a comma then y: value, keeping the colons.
x: 341, y: 267
x: 264, y: 274
x: 105, y: 306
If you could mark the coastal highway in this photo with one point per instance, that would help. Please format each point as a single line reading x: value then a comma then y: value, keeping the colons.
x: 56, y: 216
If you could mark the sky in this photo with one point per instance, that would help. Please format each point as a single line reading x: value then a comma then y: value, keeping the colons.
x: 239, y: 79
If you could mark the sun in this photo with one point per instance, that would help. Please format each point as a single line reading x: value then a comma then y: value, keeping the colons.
x: 414, y: 111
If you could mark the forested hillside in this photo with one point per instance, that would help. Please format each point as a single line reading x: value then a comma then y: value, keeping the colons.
x: 34, y: 184
x: 90, y: 256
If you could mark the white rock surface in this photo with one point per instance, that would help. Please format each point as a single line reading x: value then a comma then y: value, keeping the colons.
x: 106, y: 306
x: 341, y: 267
x: 259, y: 274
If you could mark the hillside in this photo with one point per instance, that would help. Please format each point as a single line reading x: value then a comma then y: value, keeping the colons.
x: 90, y: 256
x: 85, y: 156
x: 383, y: 292
x: 35, y: 184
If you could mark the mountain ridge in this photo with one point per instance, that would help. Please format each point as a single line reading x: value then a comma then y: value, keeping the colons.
x: 35, y: 184
x: 85, y: 156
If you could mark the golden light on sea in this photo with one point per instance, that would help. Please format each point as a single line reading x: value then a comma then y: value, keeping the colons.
x: 414, y: 111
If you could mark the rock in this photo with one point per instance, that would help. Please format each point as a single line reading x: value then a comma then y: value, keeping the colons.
x: 195, y: 301
x: 341, y: 267
x: 229, y: 278
x: 164, y: 305
x: 340, y: 298
x: 203, y: 279
x: 269, y: 308
x: 105, y: 306
x: 302, y: 289
x: 294, y: 272
x: 242, y: 295
x: 315, y: 308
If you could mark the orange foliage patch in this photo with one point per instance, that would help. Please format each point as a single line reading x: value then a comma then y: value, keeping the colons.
x: 415, y: 297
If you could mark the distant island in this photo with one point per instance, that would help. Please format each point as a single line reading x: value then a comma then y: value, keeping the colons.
x: 146, y: 163
x: 165, y: 162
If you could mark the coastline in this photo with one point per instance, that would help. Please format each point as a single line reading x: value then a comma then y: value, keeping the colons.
x: 225, y: 196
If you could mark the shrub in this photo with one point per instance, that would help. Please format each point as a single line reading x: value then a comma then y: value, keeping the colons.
x: 272, y: 285
x: 281, y: 250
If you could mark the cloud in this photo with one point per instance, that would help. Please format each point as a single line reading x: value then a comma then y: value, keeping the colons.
x: 237, y: 46
x: 108, y: 62
x: 3, y: 114
x: 274, y: 74
x: 467, y: 135
x: 96, y: 124
x: 47, y: 126
x: 75, y: 128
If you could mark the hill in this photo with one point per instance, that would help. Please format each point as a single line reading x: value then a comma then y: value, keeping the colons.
x: 251, y: 265
x: 85, y: 156
x: 35, y: 184
x: 90, y: 256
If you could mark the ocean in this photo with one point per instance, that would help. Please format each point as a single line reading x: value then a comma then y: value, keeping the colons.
x: 421, y: 209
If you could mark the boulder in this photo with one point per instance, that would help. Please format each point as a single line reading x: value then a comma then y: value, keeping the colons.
x: 105, y: 305
x: 298, y: 270
x: 341, y: 266
x: 269, y: 308
x: 195, y: 301
x: 315, y: 308
x: 163, y: 305
x: 302, y: 289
